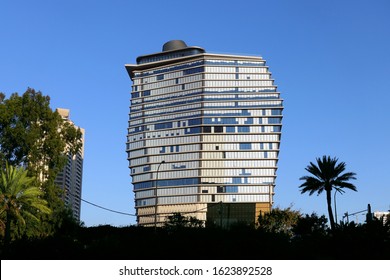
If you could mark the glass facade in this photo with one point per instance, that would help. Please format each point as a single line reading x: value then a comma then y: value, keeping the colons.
x: 203, y: 129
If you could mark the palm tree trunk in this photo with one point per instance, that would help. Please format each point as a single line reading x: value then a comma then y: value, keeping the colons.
x: 7, y: 231
x: 330, y: 212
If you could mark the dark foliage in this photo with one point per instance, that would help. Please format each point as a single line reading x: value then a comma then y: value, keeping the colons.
x: 312, y: 240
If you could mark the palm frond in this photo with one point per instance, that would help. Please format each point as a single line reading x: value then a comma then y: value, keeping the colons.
x: 22, y: 200
x: 328, y: 174
x: 311, y: 185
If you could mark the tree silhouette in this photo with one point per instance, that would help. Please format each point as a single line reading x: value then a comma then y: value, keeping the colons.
x: 177, y: 221
x: 327, y: 175
x: 279, y: 221
x: 20, y: 199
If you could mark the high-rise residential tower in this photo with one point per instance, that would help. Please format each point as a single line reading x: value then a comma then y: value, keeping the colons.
x: 203, y: 137
x: 71, y: 177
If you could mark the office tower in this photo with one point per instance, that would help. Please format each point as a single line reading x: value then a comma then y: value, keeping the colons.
x: 70, y: 178
x: 203, y: 137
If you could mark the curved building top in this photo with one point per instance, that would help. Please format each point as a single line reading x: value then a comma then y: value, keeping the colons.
x: 171, y: 49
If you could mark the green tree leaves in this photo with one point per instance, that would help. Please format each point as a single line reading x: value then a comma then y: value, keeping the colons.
x: 34, y: 136
x: 20, y: 199
x: 31, y: 134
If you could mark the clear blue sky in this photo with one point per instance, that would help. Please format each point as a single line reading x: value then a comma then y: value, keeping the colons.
x: 330, y: 60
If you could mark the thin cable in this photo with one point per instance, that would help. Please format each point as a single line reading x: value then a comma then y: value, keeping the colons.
x: 104, y: 208
x: 101, y: 207
x: 134, y: 215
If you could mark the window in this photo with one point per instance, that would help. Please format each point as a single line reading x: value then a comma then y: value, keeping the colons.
x: 163, y: 125
x: 217, y: 148
x: 245, y: 146
x: 232, y: 189
x: 177, y: 166
x: 274, y: 120
x: 249, y: 121
x: 276, y: 128
x: 143, y: 185
x: 146, y: 93
x: 178, y: 182
x: 207, y: 129
x: 218, y: 129
x: 193, y: 70
x: 243, y: 129
x: 237, y: 180
x: 230, y: 129
x: 194, y: 121
x: 160, y: 77
x: 220, y: 189
x: 147, y: 168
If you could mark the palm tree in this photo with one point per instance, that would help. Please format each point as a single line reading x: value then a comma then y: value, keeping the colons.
x: 19, y: 199
x: 327, y: 176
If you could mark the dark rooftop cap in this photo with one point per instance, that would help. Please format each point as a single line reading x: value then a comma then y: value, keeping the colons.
x: 172, y: 49
x: 174, y: 45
